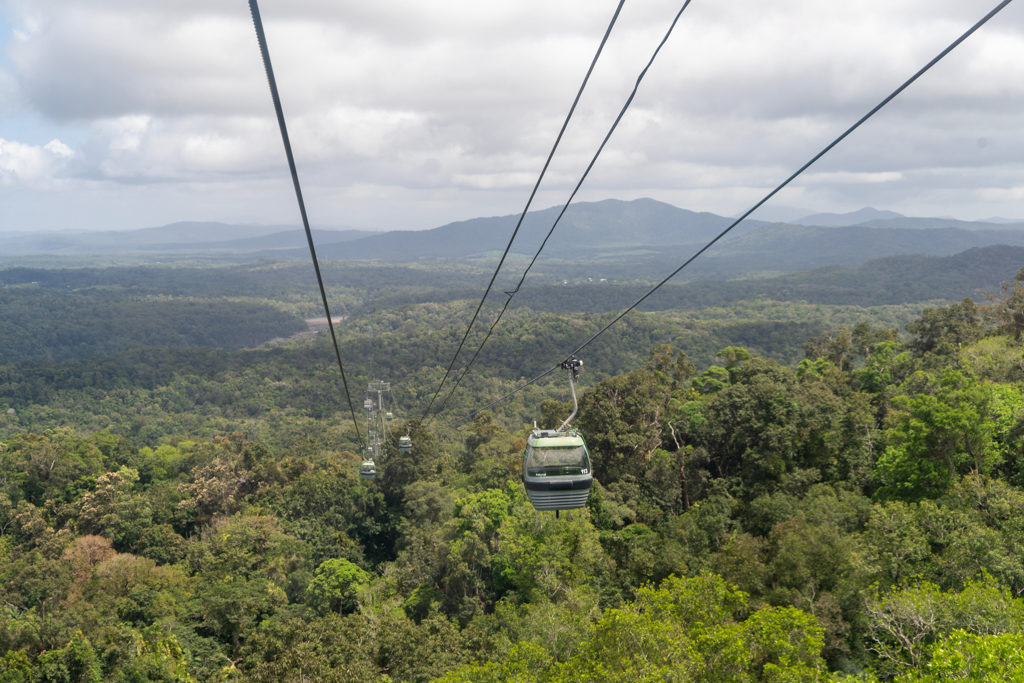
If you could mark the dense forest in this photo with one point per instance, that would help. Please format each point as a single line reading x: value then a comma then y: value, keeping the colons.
x: 278, y: 391
x: 786, y: 490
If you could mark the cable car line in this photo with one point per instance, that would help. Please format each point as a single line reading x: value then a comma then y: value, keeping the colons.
x: 265, y: 52
x: 511, y: 293
x: 920, y: 72
x: 529, y: 201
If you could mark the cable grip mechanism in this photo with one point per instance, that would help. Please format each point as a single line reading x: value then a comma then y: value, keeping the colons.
x: 573, y: 365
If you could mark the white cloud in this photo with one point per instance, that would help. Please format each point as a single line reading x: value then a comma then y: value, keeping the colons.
x: 848, y: 178
x: 125, y: 133
x: 451, y: 106
x: 30, y: 165
x: 58, y: 149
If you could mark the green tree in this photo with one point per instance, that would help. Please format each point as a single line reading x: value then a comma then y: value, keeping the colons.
x: 15, y: 667
x: 903, y: 623
x: 323, y: 502
x: 55, y: 466
x: 768, y: 425
x: 329, y: 648
x: 154, y: 655
x: 1008, y: 309
x: 621, y: 417
x: 491, y: 456
x: 401, y: 468
x: 939, y: 435
x: 244, y: 567
x: 540, y: 558
x: 334, y: 586
x: 76, y: 662
x: 715, y: 378
x: 733, y: 356
x: 897, y: 541
x: 941, y: 331
x: 695, y: 629
x: 408, y: 651
x: 115, y: 510
x: 964, y: 656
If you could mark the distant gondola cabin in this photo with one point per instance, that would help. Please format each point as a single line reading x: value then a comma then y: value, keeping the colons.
x: 368, y: 470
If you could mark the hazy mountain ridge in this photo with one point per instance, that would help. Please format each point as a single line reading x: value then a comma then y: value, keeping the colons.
x: 837, y: 220
x: 187, y: 236
x: 649, y: 234
x: 940, y: 223
x: 793, y: 248
x: 885, y: 281
x: 874, y: 218
x: 609, y: 225
x: 287, y: 239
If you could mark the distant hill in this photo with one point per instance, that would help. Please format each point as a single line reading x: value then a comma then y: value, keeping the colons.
x: 651, y: 233
x: 890, y: 219
x: 996, y: 220
x: 901, y: 279
x: 779, y: 213
x: 886, y: 281
x: 289, y: 239
x: 187, y: 231
x: 641, y: 225
x: 843, y: 219
x: 642, y: 239
x: 786, y: 248
x: 186, y: 236
x: 937, y: 223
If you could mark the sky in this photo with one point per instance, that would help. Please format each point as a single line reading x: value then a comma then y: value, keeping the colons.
x: 404, y: 114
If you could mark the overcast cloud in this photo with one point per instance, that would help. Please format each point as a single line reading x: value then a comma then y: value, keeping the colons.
x: 410, y: 114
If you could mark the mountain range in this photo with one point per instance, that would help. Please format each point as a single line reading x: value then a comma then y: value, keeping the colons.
x: 644, y: 231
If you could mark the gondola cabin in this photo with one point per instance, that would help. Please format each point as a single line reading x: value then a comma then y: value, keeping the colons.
x: 368, y: 470
x: 556, y: 469
x: 404, y: 443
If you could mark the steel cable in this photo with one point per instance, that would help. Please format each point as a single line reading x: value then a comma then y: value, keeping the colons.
x: 966, y: 34
x: 265, y: 52
x: 522, y: 216
x: 622, y: 112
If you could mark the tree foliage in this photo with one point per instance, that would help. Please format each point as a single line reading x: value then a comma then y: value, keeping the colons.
x: 198, y: 514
